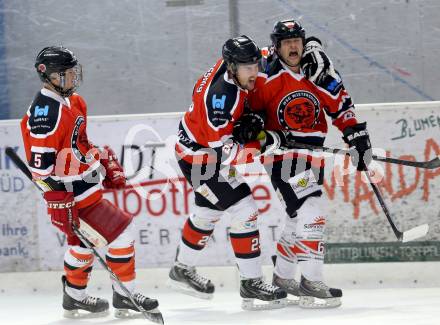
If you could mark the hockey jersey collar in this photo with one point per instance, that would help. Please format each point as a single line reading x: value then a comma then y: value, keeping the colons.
x: 297, y: 76
x: 55, y: 96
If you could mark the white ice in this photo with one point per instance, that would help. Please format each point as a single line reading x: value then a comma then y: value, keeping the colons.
x: 397, y: 306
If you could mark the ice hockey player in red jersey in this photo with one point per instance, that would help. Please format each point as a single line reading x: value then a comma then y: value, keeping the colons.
x: 206, y: 153
x: 61, y: 157
x: 300, y: 87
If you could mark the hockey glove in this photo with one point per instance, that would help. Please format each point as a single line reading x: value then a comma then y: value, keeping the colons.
x: 318, y: 68
x: 63, y: 213
x: 248, y: 127
x: 114, y: 173
x: 360, y: 146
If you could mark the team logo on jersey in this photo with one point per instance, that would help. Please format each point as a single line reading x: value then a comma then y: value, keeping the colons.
x: 218, y: 103
x: 76, y: 139
x: 41, y: 111
x: 297, y: 110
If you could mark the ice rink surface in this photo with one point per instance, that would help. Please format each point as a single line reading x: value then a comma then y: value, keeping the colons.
x: 397, y: 306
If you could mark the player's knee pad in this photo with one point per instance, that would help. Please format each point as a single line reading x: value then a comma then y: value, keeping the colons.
x: 244, y: 215
x: 199, y: 227
x: 309, y: 243
x: 120, y: 255
x: 78, y: 263
x: 205, y: 218
x: 245, y: 238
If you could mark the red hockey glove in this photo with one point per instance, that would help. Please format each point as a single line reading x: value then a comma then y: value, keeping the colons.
x: 114, y: 173
x: 63, y: 213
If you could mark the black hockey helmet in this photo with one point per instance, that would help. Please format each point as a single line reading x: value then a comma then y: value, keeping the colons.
x: 285, y: 29
x: 57, y: 59
x: 241, y: 49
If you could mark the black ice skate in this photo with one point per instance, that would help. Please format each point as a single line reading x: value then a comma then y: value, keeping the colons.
x: 96, y: 307
x: 291, y: 286
x: 251, y: 289
x: 316, y: 294
x: 185, y: 279
x: 123, y: 305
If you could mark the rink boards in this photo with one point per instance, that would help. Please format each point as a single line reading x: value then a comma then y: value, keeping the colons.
x: 160, y: 199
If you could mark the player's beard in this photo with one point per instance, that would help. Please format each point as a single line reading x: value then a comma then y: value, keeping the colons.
x: 250, y: 84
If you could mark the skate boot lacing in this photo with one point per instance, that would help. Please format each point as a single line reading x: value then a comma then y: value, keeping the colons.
x: 192, y: 274
x: 140, y: 298
x: 292, y: 283
x: 319, y: 285
x: 90, y: 300
x: 264, y: 286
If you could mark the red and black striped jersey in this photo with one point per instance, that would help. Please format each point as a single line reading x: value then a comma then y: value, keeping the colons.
x: 57, y: 148
x: 292, y: 103
x: 217, y: 103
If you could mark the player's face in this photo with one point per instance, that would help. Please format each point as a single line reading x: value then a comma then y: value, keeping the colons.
x: 71, y: 79
x: 291, y: 51
x: 247, y: 75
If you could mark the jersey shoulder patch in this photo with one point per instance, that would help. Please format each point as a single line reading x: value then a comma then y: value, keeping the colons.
x: 221, y: 100
x: 44, y: 116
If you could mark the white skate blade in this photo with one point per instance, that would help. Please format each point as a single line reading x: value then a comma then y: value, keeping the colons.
x: 83, y: 314
x: 186, y: 289
x: 153, y: 315
x: 251, y: 305
x: 415, y: 233
x: 309, y: 302
x: 132, y: 314
x: 292, y: 300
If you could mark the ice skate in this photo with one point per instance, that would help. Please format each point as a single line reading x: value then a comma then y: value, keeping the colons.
x: 251, y: 289
x: 316, y: 294
x: 185, y: 279
x: 89, y: 307
x: 124, y: 307
x: 291, y: 286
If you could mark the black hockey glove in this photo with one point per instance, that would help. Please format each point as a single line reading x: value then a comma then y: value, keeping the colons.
x: 360, y: 146
x: 248, y: 127
x: 318, y: 68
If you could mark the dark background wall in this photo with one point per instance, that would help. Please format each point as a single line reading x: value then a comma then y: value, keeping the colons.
x: 143, y: 56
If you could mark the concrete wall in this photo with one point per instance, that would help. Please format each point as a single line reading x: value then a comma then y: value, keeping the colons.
x: 143, y: 56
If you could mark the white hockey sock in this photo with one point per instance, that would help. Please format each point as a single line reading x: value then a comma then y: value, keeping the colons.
x: 285, y: 269
x: 312, y: 270
x: 286, y: 263
x: 77, y: 294
x: 188, y: 255
x: 309, y: 244
x: 130, y: 285
x: 196, y: 233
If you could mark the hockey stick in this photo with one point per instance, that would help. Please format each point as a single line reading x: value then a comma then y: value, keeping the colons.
x: 430, y: 164
x: 155, y: 317
x: 405, y: 236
